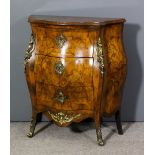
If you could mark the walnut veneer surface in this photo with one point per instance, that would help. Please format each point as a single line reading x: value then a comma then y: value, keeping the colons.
x: 75, y: 68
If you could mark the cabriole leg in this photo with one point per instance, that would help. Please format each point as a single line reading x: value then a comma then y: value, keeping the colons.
x: 32, y: 126
x: 99, y: 137
x: 99, y: 132
x: 118, y: 122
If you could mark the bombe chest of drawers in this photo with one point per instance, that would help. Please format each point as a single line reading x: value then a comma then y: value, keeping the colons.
x: 75, y: 69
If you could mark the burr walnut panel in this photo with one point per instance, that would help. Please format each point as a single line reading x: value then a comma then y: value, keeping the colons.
x: 76, y: 98
x: 76, y: 71
x: 116, y: 68
x: 76, y: 42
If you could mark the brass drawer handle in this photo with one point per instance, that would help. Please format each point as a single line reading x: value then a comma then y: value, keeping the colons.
x: 60, y: 40
x: 60, y: 97
x: 59, y: 68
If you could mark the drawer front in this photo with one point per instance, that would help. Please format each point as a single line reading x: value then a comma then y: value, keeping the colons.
x: 65, y: 42
x: 67, y: 98
x: 64, y: 72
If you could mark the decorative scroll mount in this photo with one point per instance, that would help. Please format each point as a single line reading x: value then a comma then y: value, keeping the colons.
x: 100, y: 56
x: 63, y: 118
x: 60, y: 40
x: 30, y: 49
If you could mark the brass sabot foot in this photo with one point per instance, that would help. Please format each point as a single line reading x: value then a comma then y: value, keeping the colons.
x: 30, y: 134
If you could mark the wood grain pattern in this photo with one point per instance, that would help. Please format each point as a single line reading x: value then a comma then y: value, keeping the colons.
x: 72, y: 74
x: 116, y: 68
x: 77, y: 98
x: 80, y: 89
x: 69, y: 20
x: 78, y: 41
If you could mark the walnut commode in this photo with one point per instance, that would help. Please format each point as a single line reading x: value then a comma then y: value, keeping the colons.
x: 75, y: 69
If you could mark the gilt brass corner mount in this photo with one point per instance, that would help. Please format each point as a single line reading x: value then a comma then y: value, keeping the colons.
x: 30, y: 49
x: 100, y: 57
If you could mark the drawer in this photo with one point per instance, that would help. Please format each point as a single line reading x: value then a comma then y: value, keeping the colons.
x: 65, y: 42
x: 67, y: 98
x: 64, y: 71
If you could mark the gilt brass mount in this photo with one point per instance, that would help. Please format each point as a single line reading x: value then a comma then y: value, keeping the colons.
x: 100, y: 57
x: 30, y: 49
x: 60, y: 97
x: 60, y: 40
x: 59, y: 68
x: 99, y: 137
x: 32, y: 128
x: 63, y: 118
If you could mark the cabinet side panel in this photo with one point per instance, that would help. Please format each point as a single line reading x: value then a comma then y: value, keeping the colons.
x: 98, y: 76
x: 115, y: 67
x: 29, y: 68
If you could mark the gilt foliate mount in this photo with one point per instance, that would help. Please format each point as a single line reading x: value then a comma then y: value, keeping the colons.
x: 30, y: 49
x: 62, y: 118
x: 100, y: 57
